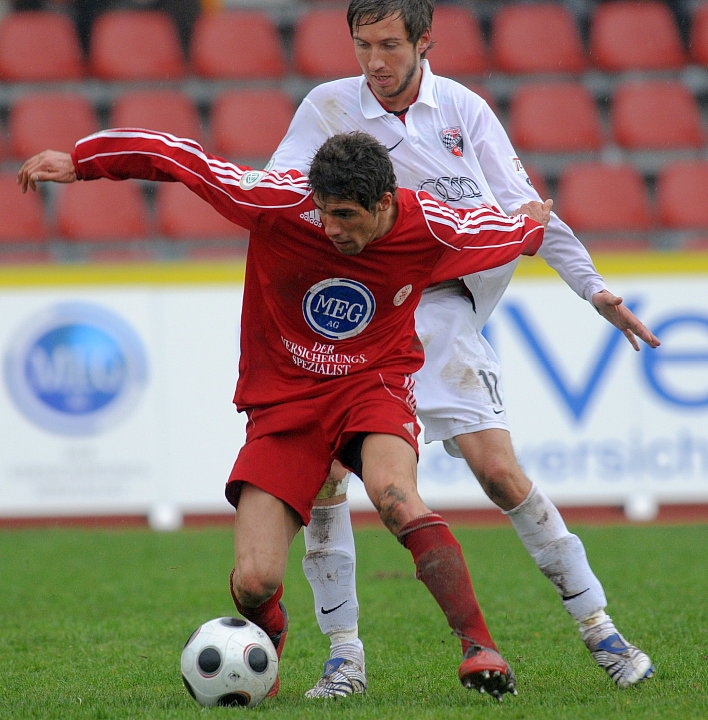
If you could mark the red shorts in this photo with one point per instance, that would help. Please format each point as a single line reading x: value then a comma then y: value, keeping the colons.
x: 290, y: 447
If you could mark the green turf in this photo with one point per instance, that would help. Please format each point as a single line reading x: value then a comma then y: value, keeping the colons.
x: 93, y: 623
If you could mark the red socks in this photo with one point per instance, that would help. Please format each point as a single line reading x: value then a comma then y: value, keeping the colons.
x: 441, y: 567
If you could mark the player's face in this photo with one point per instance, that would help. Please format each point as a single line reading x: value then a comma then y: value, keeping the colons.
x: 350, y: 226
x: 390, y: 62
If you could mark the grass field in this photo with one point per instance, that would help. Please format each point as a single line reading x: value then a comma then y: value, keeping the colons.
x: 93, y: 623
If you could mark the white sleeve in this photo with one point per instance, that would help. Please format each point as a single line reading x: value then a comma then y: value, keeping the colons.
x: 508, y: 181
x: 308, y: 130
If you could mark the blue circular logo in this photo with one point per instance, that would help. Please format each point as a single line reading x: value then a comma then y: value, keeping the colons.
x: 76, y: 369
x: 338, y: 308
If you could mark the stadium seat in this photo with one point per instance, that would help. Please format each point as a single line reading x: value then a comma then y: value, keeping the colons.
x: 167, y: 110
x: 101, y: 211
x: 182, y: 215
x: 246, y: 125
x: 536, y: 38
x: 596, y: 197
x: 555, y: 117
x: 655, y: 115
x: 538, y: 179
x: 459, y: 48
x: 194, y: 227
x: 135, y: 45
x: 236, y: 45
x: 42, y: 120
x: 629, y: 35
x: 39, y: 46
x: 23, y: 219
x: 699, y: 35
x: 682, y: 195
x: 322, y: 45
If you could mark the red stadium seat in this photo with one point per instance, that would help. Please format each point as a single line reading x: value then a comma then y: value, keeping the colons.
x: 167, y: 110
x: 655, y: 115
x: 322, y: 45
x: 596, y: 197
x: 537, y: 179
x: 536, y: 38
x: 699, y: 35
x: 459, y: 46
x: 135, y: 45
x: 49, y: 120
x: 630, y: 35
x: 23, y: 219
x: 555, y: 117
x: 246, y: 125
x: 682, y: 195
x: 39, y: 46
x: 236, y: 45
x: 182, y: 215
x: 101, y: 211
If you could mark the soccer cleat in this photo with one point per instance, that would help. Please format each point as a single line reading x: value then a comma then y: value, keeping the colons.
x: 626, y: 664
x: 279, y: 642
x: 485, y: 670
x: 340, y: 678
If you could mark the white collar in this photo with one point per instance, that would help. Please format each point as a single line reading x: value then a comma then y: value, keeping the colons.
x: 372, y: 108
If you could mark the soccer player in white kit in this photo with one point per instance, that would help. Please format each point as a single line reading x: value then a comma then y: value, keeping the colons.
x: 445, y: 139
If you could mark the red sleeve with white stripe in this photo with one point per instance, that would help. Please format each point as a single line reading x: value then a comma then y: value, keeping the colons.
x: 239, y: 193
x: 478, y: 238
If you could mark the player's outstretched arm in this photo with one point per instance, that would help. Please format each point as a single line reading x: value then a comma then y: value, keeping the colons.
x: 47, y: 166
x: 613, y: 309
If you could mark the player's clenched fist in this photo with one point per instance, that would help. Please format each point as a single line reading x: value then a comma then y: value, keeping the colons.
x: 47, y: 166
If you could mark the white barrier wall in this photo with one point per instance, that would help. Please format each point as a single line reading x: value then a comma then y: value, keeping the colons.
x: 117, y: 383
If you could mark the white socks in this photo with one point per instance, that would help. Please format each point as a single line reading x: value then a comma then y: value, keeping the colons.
x: 329, y: 566
x: 560, y: 556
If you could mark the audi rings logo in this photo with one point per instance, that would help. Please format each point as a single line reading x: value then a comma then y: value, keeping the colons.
x: 338, y: 308
x: 451, y: 189
x: 75, y: 369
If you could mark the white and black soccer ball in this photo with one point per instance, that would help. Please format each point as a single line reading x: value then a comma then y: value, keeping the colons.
x: 229, y: 661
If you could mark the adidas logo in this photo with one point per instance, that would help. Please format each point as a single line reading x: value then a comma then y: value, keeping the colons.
x: 313, y: 217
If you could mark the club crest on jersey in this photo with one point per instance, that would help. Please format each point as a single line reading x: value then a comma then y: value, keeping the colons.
x: 338, y: 308
x: 452, y: 140
x: 251, y: 178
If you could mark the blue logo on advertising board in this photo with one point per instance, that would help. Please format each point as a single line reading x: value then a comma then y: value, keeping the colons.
x: 338, y: 308
x: 76, y: 369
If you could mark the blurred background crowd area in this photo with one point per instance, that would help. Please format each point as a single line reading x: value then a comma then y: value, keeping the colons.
x: 605, y: 102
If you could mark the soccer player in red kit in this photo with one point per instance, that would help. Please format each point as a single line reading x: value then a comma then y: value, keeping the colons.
x: 337, y: 262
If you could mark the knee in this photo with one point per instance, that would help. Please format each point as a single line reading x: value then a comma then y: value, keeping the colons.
x: 503, y: 481
x: 251, y: 588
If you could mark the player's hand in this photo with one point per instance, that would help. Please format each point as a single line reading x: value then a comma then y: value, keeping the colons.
x: 538, y: 211
x: 47, y: 166
x: 613, y: 310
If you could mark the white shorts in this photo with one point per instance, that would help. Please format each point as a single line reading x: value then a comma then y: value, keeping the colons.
x: 458, y: 389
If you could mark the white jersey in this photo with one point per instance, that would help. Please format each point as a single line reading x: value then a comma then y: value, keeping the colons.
x: 451, y: 145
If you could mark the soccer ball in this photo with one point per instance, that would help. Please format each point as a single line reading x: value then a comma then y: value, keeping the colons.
x: 229, y: 661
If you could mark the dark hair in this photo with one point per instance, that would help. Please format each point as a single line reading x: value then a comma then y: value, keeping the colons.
x: 352, y: 166
x: 417, y: 15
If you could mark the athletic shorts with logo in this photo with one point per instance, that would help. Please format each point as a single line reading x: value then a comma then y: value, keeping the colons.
x: 289, y: 447
x: 458, y: 389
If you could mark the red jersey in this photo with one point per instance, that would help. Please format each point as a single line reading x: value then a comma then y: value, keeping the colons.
x: 311, y: 314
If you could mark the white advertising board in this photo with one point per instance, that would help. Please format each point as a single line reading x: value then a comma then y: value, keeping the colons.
x: 116, y: 393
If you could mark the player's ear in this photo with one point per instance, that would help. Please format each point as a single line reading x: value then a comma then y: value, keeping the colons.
x: 385, y: 202
x: 424, y: 43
